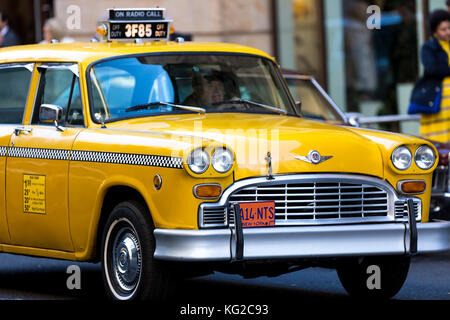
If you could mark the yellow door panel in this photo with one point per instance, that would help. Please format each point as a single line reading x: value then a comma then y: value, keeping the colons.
x: 5, y: 136
x: 37, y: 184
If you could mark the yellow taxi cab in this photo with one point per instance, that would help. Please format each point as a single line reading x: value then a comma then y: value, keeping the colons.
x: 161, y: 158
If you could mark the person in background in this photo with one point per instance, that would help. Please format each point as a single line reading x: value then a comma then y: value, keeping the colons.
x: 434, y: 86
x: 448, y: 5
x: 8, y: 37
x: 53, y: 30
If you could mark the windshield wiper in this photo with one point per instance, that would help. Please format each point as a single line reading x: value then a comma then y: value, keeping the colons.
x: 241, y: 101
x: 153, y: 104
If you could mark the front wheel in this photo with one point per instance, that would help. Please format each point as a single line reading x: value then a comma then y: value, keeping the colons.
x: 129, y: 270
x: 374, y: 277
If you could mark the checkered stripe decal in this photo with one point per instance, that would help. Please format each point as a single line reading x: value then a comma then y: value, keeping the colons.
x: 94, y: 156
x: 38, y: 153
x: 2, y: 151
x: 127, y: 158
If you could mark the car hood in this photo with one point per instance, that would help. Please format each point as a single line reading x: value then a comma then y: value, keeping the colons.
x: 289, y: 140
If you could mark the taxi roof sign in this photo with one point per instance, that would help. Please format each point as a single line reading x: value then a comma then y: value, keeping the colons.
x: 146, y: 24
x: 136, y: 14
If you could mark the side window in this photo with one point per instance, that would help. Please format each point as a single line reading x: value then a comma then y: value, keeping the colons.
x: 15, y: 82
x: 61, y: 87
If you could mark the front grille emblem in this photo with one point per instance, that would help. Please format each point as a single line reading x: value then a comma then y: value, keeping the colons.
x: 313, y: 157
x: 269, y: 165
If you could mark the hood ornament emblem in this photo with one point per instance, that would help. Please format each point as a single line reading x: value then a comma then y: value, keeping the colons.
x: 313, y: 157
x: 269, y: 164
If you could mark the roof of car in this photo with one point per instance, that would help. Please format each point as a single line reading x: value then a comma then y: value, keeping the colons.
x: 87, y: 52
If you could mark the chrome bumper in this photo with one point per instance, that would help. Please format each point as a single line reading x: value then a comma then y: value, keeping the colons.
x: 301, y: 242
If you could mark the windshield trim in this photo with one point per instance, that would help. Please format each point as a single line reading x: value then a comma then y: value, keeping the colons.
x: 93, y: 64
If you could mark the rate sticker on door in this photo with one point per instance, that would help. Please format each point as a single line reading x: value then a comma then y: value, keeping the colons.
x: 33, y: 194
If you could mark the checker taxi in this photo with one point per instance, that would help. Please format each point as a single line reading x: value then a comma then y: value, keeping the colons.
x: 165, y: 158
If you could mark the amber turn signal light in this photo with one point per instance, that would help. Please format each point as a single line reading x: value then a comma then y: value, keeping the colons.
x: 207, y: 191
x: 102, y: 30
x: 412, y: 186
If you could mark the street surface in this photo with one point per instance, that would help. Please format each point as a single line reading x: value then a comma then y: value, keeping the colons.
x: 27, y: 278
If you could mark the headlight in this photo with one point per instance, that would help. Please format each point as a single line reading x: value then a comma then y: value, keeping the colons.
x: 401, y: 158
x: 198, y: 161
x: 222, y: 160
x: 425, y: 157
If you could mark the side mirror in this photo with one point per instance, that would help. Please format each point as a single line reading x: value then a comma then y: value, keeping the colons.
x: 298, y: 104
x: 50, y: 113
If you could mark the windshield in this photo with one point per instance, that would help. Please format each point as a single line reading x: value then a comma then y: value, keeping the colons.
x: 314, y: 104
x: 161, y: 84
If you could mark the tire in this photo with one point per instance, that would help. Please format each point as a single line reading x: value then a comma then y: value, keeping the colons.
x: 135, y: 276
x: 358, y: 276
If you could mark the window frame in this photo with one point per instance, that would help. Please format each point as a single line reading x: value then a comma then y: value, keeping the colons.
x: 71, y: 66
x: 30, y: 66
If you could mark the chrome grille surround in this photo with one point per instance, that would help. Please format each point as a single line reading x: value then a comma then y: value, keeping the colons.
x: 313, y: 199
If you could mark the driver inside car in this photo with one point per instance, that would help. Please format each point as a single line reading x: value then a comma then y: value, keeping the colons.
x: 208, y: 91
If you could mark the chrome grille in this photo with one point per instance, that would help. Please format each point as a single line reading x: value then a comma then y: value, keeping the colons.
x: 215, y: 217
x: 312, y: 201
x: 401, y: 209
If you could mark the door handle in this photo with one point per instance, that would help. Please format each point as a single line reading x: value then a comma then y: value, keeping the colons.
x: 18, y: 131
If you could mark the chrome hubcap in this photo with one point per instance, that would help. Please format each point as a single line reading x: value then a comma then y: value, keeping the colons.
x: 126, y: 259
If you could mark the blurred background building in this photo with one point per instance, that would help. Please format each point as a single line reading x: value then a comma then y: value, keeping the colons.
x: 364, y: 68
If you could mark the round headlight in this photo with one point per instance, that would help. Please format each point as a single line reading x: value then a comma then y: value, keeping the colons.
x: 222, y: 160
x: 425, y: 157
x: 401, y: 158
x: 198, y: 161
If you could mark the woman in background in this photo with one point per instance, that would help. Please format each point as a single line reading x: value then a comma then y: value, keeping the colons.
x: 53, y: 30
x: 435, y: 58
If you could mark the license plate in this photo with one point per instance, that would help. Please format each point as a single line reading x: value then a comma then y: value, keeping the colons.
x: 257, y: 214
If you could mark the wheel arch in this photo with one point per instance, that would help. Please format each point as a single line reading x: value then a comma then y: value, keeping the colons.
x: 112, y: 197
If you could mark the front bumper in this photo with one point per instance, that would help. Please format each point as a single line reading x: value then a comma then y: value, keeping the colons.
x: 301, y: 242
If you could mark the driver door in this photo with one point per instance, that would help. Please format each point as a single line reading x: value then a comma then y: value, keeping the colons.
x: 38, y: 164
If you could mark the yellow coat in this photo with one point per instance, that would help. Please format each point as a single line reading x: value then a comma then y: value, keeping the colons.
x: 437, y: 126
